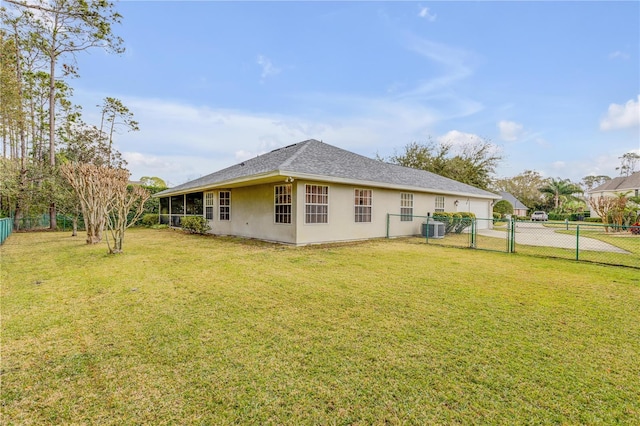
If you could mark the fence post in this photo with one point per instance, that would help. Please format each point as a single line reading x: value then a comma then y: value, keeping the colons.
x: 387, y: 225
x: 578, y: 242
x: 473, y: 233
x: 512, y: 236
x: 427, y: 231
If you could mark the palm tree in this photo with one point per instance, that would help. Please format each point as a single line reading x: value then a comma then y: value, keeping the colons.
x: 560, y: 189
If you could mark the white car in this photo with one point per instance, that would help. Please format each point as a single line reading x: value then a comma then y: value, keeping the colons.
x: 539, y: 215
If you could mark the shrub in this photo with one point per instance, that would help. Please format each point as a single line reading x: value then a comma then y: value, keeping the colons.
x: 454, y: 222
x: 150, y: 219
x: 558, y: 216
x: 195, y: 224
x: 593, y: 219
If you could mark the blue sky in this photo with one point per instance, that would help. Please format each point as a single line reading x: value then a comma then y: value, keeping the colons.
x: 554, y: 85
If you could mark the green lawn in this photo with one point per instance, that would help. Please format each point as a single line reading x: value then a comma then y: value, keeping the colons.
x: 184, y: 329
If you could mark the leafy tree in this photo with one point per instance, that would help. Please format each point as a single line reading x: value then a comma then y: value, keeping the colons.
x: 153, y: 185
x: 471, y: 163
x: 503, y: 207
x: 590, y: 182
x: 560, y: 190
x: 62, y: 28
x: 115, y: 114
x: 628, y: 163
x: 524, y: 187
x: 153, y: 181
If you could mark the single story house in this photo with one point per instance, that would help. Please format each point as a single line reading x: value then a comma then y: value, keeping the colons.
x: 312, y: 192
x: 519, y: 209
x: 620, y: 185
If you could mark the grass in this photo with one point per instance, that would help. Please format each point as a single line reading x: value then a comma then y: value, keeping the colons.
x: 183, y: 329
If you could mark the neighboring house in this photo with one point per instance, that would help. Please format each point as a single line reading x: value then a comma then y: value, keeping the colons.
x: 312, y: 192
x: 519, y: 209
x: 620, y: 185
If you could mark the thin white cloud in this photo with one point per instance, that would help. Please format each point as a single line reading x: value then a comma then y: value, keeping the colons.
x: 457, y: 64
x: 268, y: 69
x: 458, y: 138
x: 179, y: 142
x: 425, y: 13
x: 619, y: 55
x: 510, y: 131
x: 622, y: 116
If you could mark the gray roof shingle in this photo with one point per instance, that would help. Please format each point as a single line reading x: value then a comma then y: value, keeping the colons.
x: 317, y: 158
x: 513, y: 200
x: 620, y: 183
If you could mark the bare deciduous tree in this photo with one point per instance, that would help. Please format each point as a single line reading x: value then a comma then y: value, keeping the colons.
x: 93, y: 186
x: 605, y: 206
x: 124, y: 201
x: 106, y: 200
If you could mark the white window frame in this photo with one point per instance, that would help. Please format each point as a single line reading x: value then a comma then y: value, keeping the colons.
x: 406, y: 207
x: 224, y: 206
x: 282, y: 197
x: 209, y: 205
x: 363, y: 205
x: 439, y: 207
x: 316, y: 204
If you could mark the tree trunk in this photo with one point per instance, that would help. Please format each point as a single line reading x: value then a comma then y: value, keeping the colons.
x: 52, y: 123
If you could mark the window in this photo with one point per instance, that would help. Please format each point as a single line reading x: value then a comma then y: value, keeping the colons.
x: 282, y: 203
x: 316, y: 204
x: 439, y: 203
x: 224, y: 205
x: 363, y: 205
x: 209, y: 204
x: 406, y: 207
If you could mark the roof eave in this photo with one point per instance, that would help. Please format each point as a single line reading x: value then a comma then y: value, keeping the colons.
x: 270, y: 177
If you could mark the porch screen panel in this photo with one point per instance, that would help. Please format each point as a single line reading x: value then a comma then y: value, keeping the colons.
x: 194, y: 204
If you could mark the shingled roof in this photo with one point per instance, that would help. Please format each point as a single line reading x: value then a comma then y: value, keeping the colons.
x: 620, y: 184
x: 513, y: 200
x: 313, y: 159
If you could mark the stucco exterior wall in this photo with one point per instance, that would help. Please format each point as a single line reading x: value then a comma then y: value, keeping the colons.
x: 342, y: 225
x: 252, y: 214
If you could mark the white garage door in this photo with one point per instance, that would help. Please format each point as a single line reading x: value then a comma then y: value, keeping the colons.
x: 482, y: 210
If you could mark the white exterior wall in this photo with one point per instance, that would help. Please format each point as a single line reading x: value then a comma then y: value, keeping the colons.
x: 481, y: 208
x: 343, y: 227
x: 252, y: 214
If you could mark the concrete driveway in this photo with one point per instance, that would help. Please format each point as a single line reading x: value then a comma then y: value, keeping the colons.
x: 536, y: 234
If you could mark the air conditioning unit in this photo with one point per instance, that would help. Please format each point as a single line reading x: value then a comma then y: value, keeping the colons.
x: 433, y: 229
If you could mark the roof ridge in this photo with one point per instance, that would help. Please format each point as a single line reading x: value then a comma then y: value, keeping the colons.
x: 296, y: 154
